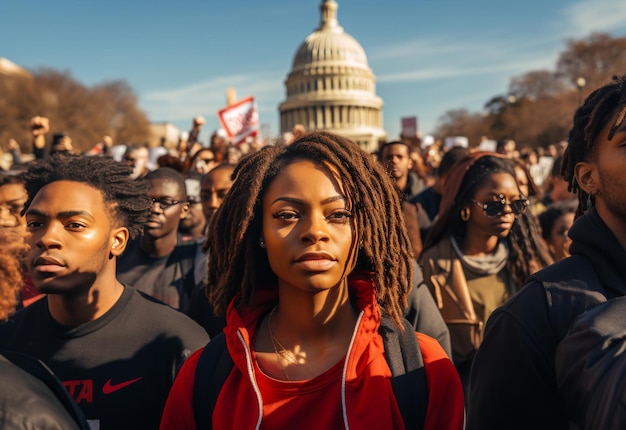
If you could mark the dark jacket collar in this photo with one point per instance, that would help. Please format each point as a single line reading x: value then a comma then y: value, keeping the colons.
x: 592, y: 238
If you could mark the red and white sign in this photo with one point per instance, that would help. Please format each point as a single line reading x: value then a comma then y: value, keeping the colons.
x: 240, y: 120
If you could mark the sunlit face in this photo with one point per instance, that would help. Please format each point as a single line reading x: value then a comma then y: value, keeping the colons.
x: 610, y: 175
x: 12, y: 199
x: 164, y: 218
x: 397, y: 160
x: 71, y: 236
x: 498, y: 186
x: 558, y: 241
x: 308, y: 228
x: 213, y: 189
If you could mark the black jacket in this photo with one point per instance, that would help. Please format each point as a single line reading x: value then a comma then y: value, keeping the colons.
x: 591, y: 368
x: 119, y: 367
x: 31, y: 397
x: 513, y: 382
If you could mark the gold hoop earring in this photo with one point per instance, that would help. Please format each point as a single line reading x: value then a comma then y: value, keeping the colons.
x: 465, y: 214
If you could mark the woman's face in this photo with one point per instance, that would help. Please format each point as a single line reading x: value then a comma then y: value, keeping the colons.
x: 558, y: 241
x: 498, y: 187
x: 308, y: 230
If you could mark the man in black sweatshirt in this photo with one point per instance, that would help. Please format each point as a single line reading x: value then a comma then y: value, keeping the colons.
x: 116, y: 350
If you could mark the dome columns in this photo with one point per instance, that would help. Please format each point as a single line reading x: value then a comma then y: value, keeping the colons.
x: 331, y: 87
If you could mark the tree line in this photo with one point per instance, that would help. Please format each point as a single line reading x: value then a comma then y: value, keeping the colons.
x: 539, y: 106
x: 85, y: 113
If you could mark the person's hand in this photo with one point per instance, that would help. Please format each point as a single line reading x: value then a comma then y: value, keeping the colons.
x: 39, y: 125
x: 198, y: 121
x: 13, y: 144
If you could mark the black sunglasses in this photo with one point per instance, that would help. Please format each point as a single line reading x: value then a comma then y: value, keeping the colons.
x: 492, y: 209
x: 165, y: 203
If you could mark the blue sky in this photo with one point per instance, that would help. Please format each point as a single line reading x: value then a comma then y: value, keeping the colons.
x: 181, y: 56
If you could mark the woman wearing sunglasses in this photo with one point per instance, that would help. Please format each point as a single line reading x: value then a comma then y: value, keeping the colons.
x: 480, y: 250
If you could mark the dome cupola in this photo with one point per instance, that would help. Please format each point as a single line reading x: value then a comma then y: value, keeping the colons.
x: 330, y: 86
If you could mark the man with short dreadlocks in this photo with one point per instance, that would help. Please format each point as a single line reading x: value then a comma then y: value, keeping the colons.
x: 516, y: 379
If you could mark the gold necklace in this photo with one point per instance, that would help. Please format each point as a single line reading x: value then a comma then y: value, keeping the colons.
x: 286, y: 354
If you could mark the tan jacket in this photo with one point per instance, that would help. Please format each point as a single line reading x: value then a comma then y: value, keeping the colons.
x: 443, y: 273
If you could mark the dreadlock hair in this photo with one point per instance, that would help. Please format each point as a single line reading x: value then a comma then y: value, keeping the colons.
x: 527, y: 252
x: 126, y: 198
x: 607, y: 103
x: 239, y: 267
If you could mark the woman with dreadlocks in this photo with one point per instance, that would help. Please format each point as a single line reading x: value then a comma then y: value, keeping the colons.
x: 311, y: 263
x: 534, y: 368
x: 480, y: 250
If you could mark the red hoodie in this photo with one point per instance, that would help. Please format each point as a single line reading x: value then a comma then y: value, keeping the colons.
x: 356, y: 393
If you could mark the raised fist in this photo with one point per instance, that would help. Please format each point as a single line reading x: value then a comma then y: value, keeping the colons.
x: 39, y: 125
x: 198, y: 121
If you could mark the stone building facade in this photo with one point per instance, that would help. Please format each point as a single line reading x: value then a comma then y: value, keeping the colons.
x: 331, y: 87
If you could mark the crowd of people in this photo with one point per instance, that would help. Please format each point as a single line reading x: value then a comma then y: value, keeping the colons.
x: 311, y: 284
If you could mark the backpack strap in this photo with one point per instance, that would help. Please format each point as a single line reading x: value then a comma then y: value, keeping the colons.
x: 214, y: 366
x: 408, y: 376
x: 39, y: 370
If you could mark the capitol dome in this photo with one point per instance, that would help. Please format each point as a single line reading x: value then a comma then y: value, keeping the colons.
x: 330, y: 86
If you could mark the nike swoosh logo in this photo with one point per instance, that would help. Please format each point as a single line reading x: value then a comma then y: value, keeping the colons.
x: 112, y: 388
